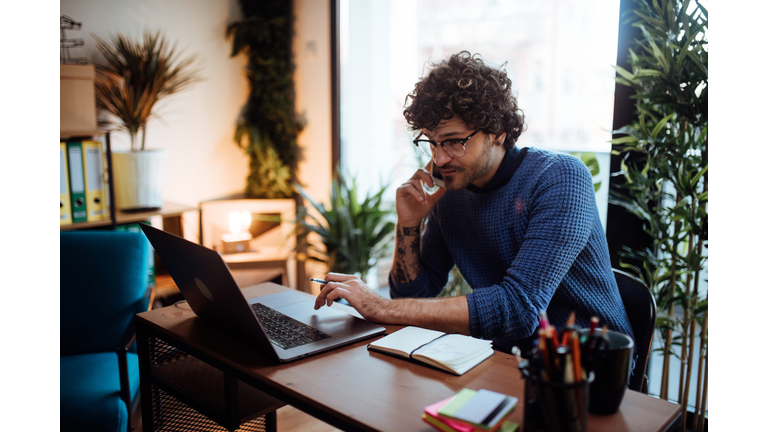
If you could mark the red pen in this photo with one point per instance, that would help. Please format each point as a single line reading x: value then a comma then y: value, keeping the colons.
x: 591, y: 337
x: 593, y: 325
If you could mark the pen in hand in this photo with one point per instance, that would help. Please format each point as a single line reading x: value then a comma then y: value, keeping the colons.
x: 320, y: 281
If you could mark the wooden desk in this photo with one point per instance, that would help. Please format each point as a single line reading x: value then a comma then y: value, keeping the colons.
x: 352, y: 388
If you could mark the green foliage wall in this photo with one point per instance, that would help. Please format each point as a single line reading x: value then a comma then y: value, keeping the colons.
x: 268, y: 127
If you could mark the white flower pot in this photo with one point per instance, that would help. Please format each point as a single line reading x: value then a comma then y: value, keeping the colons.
x: 138, y: 178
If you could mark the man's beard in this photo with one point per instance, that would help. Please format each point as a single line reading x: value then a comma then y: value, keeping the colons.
x: 467, y: 175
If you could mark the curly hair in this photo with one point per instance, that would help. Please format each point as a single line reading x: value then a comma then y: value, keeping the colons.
x: 463, y: 85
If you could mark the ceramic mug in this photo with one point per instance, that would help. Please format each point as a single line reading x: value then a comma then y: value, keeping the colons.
x: 612, y: 371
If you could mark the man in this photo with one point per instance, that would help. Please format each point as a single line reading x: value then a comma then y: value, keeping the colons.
x: 521, y: 225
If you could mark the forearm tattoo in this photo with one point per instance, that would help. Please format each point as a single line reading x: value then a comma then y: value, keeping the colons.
x: 407, y: 265
x: 411, y: 231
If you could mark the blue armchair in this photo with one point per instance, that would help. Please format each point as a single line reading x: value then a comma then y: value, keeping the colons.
x: 103, y: 279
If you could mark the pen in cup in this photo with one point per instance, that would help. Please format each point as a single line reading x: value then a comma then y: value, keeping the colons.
x: 320, y: 281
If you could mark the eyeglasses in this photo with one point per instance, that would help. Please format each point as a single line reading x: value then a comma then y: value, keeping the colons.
x: 453, y: 147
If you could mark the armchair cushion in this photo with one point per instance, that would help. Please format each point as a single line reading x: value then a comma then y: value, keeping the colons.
x: 90, y: 392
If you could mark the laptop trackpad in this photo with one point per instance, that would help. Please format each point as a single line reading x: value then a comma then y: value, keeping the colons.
x: 302, y: 308
x: 325, y: 319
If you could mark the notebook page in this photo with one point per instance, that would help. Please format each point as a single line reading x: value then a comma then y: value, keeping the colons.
x: 406, y: 340
x: 454, y: 349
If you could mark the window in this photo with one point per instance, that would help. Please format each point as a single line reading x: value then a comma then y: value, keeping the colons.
x: 558, y: 54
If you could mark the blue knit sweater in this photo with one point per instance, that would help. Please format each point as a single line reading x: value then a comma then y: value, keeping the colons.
x: 533, y: 243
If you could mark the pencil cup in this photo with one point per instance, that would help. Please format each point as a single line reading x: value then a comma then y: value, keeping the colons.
x: 612, y: 368
x: 555, y: 407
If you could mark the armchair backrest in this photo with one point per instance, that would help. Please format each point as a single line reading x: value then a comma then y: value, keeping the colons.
x: 103, y: 280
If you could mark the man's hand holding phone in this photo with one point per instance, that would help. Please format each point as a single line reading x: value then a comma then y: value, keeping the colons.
x: 437, y: 176
x: 413, y: 202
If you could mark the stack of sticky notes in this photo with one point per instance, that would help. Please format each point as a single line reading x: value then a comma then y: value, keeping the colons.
x: 472, y: 411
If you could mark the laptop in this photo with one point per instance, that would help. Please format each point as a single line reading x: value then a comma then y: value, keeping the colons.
x: 284, y: 325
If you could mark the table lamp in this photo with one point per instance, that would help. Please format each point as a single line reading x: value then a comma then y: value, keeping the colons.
x: 238, y: 240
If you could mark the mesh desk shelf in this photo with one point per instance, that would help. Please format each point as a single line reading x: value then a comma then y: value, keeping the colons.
x: 189, y: 393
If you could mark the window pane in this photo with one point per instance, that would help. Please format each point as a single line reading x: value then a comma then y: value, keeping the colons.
x: 558, y: 54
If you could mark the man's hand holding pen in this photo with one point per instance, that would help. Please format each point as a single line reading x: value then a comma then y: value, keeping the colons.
x: 366, y: 301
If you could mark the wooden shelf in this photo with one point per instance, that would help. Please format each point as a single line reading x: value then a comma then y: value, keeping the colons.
x: 168, y: 209
x: 67, y: 134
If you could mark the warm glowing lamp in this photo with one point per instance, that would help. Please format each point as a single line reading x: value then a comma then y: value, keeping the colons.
x: 239, y: 237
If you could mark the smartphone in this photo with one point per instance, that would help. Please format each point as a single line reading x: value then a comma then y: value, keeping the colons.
x: 437, y: 176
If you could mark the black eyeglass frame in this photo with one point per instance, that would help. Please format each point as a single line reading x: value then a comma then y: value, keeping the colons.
x: 434, y: 144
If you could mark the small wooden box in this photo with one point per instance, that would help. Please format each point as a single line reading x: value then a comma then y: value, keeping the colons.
x: 78, y: 100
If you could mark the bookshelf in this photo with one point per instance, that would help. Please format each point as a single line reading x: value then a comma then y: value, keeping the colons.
x: 116, y: 216
x: 84, y: 133
x: 167, y: 210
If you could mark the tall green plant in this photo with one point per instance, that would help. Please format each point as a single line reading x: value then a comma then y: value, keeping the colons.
x: 139, y: 74
x: 268, y: 127
x: 355, y: 234
x: 666, y: 186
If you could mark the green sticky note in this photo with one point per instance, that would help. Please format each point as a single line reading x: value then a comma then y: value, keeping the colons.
x: 457, y: 402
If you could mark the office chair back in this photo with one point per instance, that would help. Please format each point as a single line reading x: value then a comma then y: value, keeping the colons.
x: 641, y: 311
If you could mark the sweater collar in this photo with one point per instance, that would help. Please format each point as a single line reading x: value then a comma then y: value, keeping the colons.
x: 512, y: 159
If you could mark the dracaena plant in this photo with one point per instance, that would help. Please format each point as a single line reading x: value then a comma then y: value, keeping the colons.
x: 667, y: 185
x: 137, y: 75
x: 355, y: 233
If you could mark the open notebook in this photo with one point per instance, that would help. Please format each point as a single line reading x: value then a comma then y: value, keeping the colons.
x: 453, y: 353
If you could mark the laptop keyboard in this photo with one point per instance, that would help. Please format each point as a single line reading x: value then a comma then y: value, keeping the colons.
x: 285, y: 331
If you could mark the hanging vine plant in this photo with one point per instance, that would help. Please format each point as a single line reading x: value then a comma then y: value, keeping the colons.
x: 267, y: 127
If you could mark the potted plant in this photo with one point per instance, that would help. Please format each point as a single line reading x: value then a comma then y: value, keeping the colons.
x: 354, y: 233
x: 137, y: 75
x: 667, y: 186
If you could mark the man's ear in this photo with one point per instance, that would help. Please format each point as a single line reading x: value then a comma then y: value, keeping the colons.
x: 500, y: 138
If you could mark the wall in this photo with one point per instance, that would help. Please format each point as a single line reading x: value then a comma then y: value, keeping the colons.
x: 312, y: 77
x: 198, y: 124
